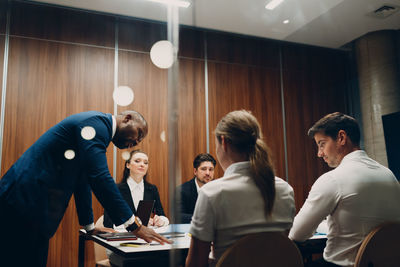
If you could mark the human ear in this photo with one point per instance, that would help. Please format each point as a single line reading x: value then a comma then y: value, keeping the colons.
x: 224, y: 144
x: 342, y: 137
x: 127, y: 118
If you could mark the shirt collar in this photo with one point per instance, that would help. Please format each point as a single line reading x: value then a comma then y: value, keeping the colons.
x: 237, y: 166
x: 197, y: 185
x: 133, y: 185
x: 355, y: 154
x: 114, y: 126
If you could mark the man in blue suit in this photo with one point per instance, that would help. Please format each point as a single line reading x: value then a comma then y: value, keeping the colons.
x: 70, y: 158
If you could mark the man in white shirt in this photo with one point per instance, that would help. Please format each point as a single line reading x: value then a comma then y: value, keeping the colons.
x: 356, y: 196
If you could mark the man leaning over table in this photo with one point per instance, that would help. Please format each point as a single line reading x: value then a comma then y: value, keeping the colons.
x: 36, y: 190
x: 356, y: 196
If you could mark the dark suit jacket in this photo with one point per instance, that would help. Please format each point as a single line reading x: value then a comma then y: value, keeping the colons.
x: 41, y: 182
x: 150, y: 193
x: 188, y: 200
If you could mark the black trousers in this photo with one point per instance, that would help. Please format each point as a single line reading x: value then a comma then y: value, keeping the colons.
x: 21, y: 243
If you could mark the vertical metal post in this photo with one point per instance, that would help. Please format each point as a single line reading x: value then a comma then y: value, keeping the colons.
x: 115, y: 87
x: 283, y: 115
x: 174, y: 171
x: 4, y: 84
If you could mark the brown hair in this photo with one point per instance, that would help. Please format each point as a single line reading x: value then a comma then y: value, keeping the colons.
x: 242, y: 131
x: 332, y: 123
x: 125, y: 174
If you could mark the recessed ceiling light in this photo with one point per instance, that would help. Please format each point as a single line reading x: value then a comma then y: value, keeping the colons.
x: 179, y: 3
x: 272, y: 4
x: 286, y: 21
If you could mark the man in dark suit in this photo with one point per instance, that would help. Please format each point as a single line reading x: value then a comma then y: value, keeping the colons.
x: 204, y: 165
x: 70, y: 158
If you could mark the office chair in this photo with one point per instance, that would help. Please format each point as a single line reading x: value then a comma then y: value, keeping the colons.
x: 262, y: 249
x: 100, y: 255
x: 381, y: 247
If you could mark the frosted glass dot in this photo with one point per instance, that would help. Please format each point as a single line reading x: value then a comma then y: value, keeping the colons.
x: 125, y: 155
x: 162, y: 54
x: 88, y: 132
x: 69, y: 154
x: 162, y: 136
x: 123, y: 95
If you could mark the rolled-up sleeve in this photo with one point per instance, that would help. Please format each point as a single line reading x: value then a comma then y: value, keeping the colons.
x: 322, y: 200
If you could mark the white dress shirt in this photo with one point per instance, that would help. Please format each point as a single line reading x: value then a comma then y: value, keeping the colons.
x: 137, y: 190
x: 232, y: 207
x: 197, y: 185
x: 357, y: 196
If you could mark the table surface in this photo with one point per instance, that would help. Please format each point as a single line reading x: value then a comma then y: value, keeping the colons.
x: 181, y: 242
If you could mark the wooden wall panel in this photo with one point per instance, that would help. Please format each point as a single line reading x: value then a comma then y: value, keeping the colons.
x: 2, y: 43
x: 191, y: 43
x: 192, y: 115
x: 149, y: 84
x: 243, y: 50
x: 48, y: 81
x: 314, y: 82
x: 139, y: 35
x: 3, y: 16
x: 233, y: 87
x: 61, y: 24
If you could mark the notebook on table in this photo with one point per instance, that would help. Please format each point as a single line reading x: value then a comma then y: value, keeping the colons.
x: 117, y: 236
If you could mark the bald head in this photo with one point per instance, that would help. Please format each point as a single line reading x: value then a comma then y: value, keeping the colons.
x: 131, y: 129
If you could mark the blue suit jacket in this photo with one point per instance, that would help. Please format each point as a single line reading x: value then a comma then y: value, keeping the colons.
x: 150, y: 193
x: 40, y: 184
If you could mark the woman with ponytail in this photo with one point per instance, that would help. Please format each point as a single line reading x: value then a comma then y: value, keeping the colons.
x: 247, y: 199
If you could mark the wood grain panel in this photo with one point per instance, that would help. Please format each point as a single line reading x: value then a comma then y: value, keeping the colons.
x: 139, y: 35
x: 192, y: 115
x: 242, y: 49
x: 233, y: 87
x: 3, y: 16
x: 191, y: 43
x: 61, y: 24
x: 149, y: 84
x: 2, y: 40
x: 48, y: 81
x: 312, y: 89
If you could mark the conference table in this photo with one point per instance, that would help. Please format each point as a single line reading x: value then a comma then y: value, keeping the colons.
x: 147, y: 254
x: 141, y: 253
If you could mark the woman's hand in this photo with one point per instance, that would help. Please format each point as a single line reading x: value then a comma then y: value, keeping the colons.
x: 158, y: 221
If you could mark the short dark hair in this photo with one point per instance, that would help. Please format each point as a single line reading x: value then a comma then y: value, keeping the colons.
x: 332, y: 123
x: 201, y: 158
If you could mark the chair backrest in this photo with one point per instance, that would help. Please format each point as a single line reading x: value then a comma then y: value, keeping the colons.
x: 262, y: 249
x: 99, y: 251
x: 381, y: 247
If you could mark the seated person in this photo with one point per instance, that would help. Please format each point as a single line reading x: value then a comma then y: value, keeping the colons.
x: 356, y: 196
x: 247, y: 199
x: 203, y: 165
x: 134, y: 188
